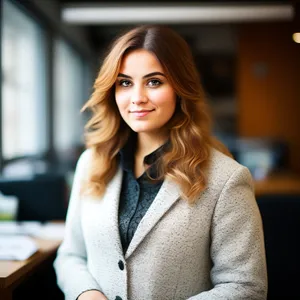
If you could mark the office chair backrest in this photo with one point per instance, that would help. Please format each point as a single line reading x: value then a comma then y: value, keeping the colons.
x: 281, y: 221
x: 42, y: 198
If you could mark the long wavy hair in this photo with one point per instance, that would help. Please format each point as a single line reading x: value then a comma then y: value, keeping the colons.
x: 190, y: 136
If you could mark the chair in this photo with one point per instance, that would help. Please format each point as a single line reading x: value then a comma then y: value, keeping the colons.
x: 41, y: 198
x: 281, y: 222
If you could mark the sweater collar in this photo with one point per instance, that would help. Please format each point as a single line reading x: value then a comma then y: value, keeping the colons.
x: 152, y: 159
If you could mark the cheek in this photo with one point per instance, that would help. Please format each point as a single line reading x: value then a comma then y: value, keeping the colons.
x: 166, y: 98
x: 121, y: 101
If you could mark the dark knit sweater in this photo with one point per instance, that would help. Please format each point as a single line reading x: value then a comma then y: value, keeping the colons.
x: 137, y: 194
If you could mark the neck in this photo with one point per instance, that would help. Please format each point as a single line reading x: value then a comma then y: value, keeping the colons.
x: 147, y: 143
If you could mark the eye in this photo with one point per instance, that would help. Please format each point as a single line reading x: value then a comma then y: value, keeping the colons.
x: 124, y: 83
x: 154, y: 83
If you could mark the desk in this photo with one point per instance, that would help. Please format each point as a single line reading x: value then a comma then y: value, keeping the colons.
x: 13, y: 273
x: 280, y: 183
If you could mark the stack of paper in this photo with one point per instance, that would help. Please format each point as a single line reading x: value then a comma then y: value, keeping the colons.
x: 48, y: 230
x: 23, y: 228
x: 16, y: 247
x: 52, y: 231
x: 16, y: 238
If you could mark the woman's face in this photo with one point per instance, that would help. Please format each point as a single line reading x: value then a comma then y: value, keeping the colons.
x: 145, y: 98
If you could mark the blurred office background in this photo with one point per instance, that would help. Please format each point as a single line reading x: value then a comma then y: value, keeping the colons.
x: 51, y: 51
x: 248, y: 56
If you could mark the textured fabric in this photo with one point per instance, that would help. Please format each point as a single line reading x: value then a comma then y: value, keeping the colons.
x: 135, y: 199
x: 127, y: 159
x: 137, y: 194
x: 211, y: 250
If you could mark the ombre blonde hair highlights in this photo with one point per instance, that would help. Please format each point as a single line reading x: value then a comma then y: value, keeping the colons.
x: 191, y: 139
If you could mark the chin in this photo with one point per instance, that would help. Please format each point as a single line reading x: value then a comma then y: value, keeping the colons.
x: 139, y: 129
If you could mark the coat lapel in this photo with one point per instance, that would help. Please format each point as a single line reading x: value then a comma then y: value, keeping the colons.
x: 112, y: 196
x: 165, y: 198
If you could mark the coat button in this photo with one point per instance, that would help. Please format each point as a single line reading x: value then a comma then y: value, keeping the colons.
x: 118, y: 298
x: 121, y: 265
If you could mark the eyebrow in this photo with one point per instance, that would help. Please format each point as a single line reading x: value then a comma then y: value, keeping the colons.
x: 146, y: 76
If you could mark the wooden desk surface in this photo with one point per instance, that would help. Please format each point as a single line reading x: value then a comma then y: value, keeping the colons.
x: 12, y: 272
x: 281, y: 183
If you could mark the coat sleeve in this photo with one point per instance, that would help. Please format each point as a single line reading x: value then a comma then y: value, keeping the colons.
x: 73, y: 276
x: 237, y: 245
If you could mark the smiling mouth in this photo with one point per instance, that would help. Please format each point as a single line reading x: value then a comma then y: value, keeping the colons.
x: 141, y: 113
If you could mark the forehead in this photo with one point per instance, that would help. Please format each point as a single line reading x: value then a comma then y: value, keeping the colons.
x: 140, y: 61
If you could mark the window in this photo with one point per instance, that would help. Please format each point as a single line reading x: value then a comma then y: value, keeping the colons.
x: 68, y: 97
x: 24, y: 118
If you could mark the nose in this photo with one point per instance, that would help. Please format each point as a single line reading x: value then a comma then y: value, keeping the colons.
x: 139, y: 95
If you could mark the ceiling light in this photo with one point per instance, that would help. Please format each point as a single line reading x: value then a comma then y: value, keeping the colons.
x: 98, y: 14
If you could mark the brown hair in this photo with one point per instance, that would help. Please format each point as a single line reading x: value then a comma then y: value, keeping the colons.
x: 190, y: 127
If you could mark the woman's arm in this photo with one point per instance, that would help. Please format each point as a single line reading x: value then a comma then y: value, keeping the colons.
x: 70, y: 264
x: 237, y: 247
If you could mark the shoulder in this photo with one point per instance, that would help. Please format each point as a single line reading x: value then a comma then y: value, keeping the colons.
x: 224, y: 169
x: 84, y: 161
x: 220, y: 161
x: 85, y: 156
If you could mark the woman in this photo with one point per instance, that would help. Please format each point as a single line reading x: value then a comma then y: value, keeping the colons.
x: 158, y: 208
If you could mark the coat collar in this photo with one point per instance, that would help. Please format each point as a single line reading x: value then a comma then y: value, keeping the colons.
x: 165, y: 198
x: 168, y: 194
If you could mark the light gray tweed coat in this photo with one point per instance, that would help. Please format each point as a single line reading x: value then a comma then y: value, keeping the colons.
x: 212, y: 250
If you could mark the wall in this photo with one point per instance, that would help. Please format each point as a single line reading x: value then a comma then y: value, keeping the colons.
x: 268, y: 85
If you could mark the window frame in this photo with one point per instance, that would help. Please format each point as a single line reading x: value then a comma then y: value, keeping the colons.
x: 52, y: 31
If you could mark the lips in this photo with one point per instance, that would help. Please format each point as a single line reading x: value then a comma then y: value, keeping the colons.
x: 141, y: 113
